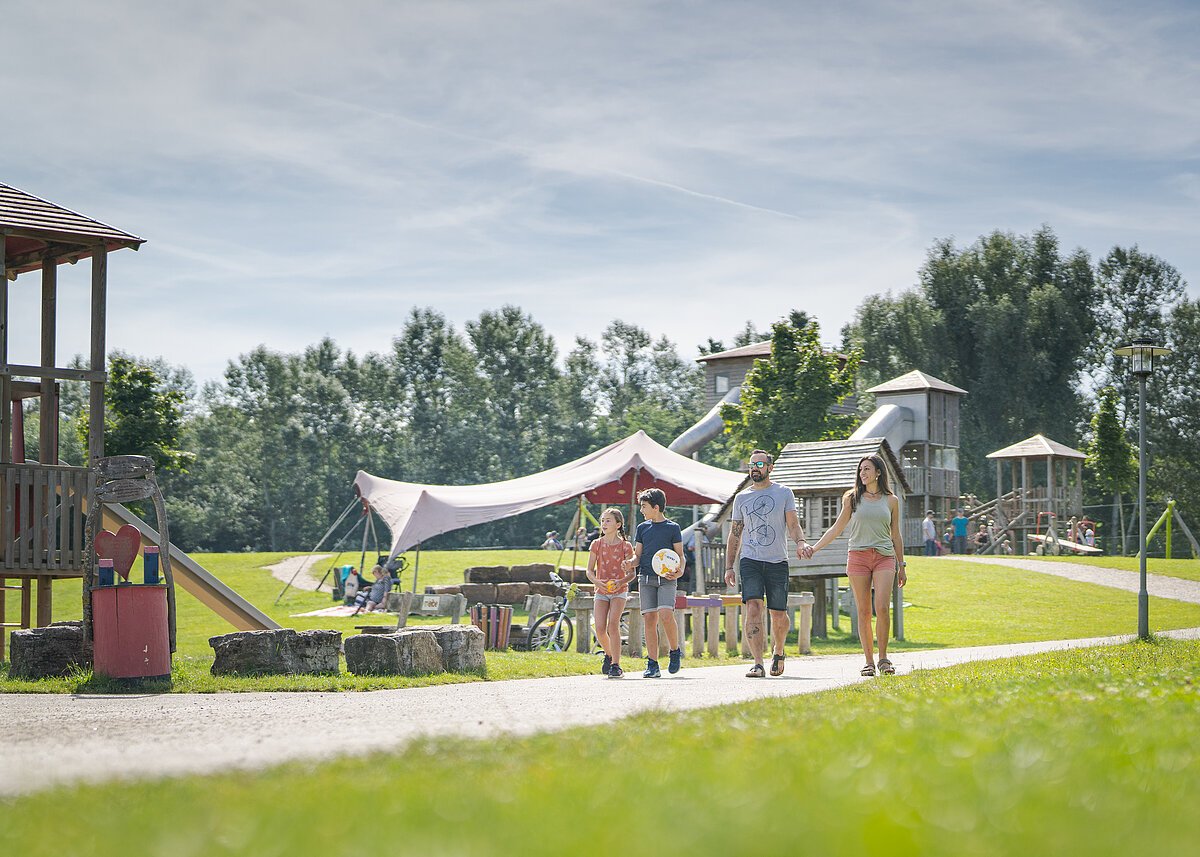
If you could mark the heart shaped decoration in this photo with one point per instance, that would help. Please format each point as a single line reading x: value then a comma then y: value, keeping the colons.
x: 121, y: 547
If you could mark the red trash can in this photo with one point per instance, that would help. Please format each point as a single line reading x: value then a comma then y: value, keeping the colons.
x: 129, y: 631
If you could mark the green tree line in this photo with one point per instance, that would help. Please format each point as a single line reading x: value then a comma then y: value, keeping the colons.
x: 264, y: 457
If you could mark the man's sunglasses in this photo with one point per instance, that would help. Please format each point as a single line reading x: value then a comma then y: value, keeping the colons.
x: 758, y: 465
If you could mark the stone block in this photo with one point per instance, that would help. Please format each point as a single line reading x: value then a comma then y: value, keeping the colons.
x: 487, y: 574
x: 442, y: 590
x: 539, y: 588
x: 280, y: 652
x: 479, y: 593
x: 55, y: 650
x: 410, y: 651
x: 462, y: 646
x: 511, y: 593
x: 535, y: 572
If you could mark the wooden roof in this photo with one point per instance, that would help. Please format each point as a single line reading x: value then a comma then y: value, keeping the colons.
x: 754, y: 349
x: 916, y: 380
x: 830, y: 465
x: 35, y: 229
x: 1038, y: 446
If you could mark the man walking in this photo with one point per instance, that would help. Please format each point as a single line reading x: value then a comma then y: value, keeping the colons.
x: 929, y: 531
x: 761, y: 515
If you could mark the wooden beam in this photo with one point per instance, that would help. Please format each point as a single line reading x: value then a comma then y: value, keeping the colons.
x: 51, y: 252
x: 98, y: 355
x: 48, y: 413
x: 58, y: 373
x: 73, y: 238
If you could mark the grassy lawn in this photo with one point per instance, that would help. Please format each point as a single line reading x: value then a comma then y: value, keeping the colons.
x: 1079, y: 752
x: 1188, y: 569
x: 951, y: 604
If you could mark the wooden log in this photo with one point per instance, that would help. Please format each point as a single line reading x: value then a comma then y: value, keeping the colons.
x: 680, y: 619
x: 697, y: 632
x: 47, y: 409
x: 98, y: 356
x: 713, y: 630
x: 583, y: 628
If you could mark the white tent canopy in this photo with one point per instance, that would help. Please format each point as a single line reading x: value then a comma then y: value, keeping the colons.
x: 611, y: 475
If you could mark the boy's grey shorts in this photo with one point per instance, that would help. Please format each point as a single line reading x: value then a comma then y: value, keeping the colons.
x: 656, y: 593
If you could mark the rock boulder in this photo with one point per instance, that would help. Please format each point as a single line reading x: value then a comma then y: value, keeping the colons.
x: 280, y: 652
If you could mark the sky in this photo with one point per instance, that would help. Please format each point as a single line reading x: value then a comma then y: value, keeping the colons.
x: 308, y: 169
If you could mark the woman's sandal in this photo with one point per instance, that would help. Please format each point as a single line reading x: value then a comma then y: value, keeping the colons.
x: 756, y: 671
x: 868, y: 670
x: 887, y: 667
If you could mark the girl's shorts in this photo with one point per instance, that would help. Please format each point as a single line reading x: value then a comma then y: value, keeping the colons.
x: 869, y: 561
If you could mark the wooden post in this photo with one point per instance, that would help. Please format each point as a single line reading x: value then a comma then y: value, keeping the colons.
x: 47, y: 439
x: 98, y: 355
x: 5, y: 380
x: 583, y: 624
x: 633, y: 647
x: 836, y: 603
x: 697, y: 632
x: 679, y: 617
x: 44, y: 601
x: 713, y: 632
x: 804, y: 632
x: 731, y: 628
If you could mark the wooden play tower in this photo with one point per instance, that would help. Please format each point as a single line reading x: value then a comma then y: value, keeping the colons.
x: 1046, y: 486
x: 42, y: 503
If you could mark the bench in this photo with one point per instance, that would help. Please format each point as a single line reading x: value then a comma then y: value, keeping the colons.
x: 409, y: 604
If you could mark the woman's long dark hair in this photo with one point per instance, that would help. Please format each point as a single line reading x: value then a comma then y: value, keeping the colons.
x: 855, y: 493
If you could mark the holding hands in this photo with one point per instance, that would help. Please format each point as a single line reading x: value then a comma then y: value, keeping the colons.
x: 804, y: 550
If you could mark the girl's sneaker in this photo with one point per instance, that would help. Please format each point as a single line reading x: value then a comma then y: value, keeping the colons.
x: 615, y: 671
x: 606, y: 666
x: 652, y: 670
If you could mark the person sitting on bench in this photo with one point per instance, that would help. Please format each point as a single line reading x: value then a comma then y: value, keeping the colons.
x: 373, y: 600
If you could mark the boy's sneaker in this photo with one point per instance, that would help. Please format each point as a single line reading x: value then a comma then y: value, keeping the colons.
x: 676, y: 661
x: 616, y: 671
x: 652, y: 670
x: 606, y: 666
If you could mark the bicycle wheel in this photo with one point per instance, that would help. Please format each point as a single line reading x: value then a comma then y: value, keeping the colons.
x: 546, y: 636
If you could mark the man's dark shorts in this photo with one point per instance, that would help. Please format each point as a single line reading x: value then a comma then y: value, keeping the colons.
x: 765, y: 579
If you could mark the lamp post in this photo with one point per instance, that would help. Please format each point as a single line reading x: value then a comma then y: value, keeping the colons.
x: 1142, y: 354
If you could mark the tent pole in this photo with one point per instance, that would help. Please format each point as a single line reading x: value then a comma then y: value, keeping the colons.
x: 362, y: 557
x: 574, y: 541
x: 633, y: 501
x: 328, y: 533
x: 416, y: 567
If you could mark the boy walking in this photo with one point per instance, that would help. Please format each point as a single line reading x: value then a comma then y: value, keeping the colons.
x: 657, y: 593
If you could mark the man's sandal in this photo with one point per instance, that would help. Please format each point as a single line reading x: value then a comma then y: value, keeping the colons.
x: 777, y: 665
x: 887, y: 667
x: 757, y: 671
x: 868, y: 670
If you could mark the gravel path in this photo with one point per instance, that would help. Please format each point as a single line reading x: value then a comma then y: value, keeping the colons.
x: 286, y: 569
x: 100, y: 738
x: 1158, y: 585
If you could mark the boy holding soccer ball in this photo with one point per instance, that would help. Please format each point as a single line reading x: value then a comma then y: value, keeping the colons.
x: 657, y: 585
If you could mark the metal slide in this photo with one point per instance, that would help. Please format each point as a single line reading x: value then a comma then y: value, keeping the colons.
x: 197, y: 580
x: 707, y: 428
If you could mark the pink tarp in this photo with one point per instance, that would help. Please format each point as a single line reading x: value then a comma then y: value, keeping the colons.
x: 415, y: 513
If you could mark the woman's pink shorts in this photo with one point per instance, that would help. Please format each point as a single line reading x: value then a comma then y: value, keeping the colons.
x: 869, y: 561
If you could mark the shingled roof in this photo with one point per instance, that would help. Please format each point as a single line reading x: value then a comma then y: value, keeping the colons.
x: 35, y: 229
x: 916, y: 380
x: 830, y: 465
x: 1038, y: 446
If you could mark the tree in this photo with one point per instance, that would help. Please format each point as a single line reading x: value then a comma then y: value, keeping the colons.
x: 786, y: 397
x: 1008, y: 319
x: 1135, y: 293
x: 1173, y: 414
x: 1110, y: 457
x: 141, y: 416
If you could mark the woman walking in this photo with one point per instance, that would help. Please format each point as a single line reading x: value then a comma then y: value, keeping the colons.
x: 876, y: 554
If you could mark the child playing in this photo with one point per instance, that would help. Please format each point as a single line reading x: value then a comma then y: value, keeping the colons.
x: 606, y: 569
x: 657, y: 593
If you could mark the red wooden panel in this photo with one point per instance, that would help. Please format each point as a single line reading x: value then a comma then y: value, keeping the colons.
x: 138, y: 616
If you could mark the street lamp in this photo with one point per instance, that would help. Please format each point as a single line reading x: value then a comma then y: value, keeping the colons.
x: 1142, y: 354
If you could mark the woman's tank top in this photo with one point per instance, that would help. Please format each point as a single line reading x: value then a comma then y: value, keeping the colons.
x: 871, y: 526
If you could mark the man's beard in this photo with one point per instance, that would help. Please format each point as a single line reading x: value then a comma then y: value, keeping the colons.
x: 758, y: 477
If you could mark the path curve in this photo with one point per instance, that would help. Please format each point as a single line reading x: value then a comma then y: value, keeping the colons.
x: 286, y: 569
x: 1158, y: 585
x: 99, y: 738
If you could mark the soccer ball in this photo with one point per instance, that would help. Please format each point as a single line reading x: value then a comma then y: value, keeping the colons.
x: 665, y: 562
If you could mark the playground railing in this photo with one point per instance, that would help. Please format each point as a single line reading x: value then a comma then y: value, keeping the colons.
x: 41, y: 517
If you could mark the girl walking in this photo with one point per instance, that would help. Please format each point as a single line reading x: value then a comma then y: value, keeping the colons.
x: 876, y: 554
x: 606, y: 569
